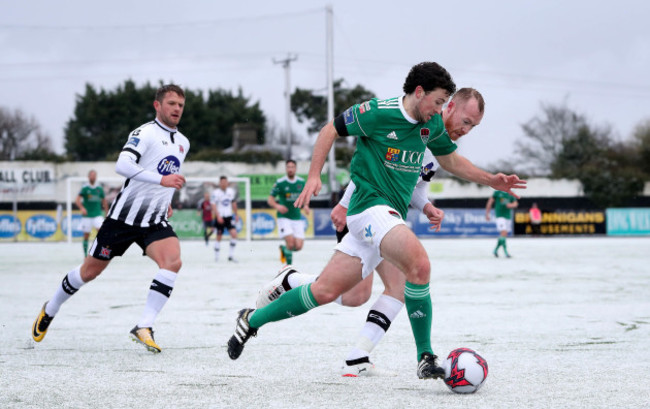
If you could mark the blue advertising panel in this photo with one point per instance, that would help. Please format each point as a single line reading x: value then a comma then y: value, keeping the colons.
x: 10, y: 226
x: 41, y: 226
x: 263, y: 223
x: 628, y: 222
x: 76, y: 225
x: 323, y: 226
x: 457, y: 223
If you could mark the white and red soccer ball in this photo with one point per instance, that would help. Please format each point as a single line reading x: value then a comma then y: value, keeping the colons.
x: 465, y: 370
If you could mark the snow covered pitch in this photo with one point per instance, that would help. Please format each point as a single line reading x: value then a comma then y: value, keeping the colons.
x: 565, y: 323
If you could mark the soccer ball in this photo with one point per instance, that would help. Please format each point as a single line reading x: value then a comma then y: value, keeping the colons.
x: 465, y: 370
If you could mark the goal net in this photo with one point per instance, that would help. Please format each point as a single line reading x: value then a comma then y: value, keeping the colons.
x: 186, y: 219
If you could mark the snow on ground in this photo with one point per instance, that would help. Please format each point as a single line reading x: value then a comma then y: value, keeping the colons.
x: 565, y: 323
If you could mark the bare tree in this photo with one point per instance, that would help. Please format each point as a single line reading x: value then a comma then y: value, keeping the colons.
x: 562, y: 144
x: 546, y: 136
x: 20, y: 135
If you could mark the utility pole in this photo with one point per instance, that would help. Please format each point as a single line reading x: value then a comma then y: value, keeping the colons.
x: 330, y: 93
x: 286, y: 64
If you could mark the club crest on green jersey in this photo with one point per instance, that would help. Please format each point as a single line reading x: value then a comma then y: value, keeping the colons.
x: 424, y: 134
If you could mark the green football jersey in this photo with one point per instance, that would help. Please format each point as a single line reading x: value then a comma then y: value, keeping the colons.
x: 92, y: 197
x: 286, y: 192
x: 390, y: 148
x: 501, y: 199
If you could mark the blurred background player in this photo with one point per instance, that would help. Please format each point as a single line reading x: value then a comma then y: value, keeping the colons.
x: 290, y: 225
x: 535, y: 219
x: 224, y: 211
x: 139, y: 214
x: 205, y: 211
x: 503, y: 205
x: 92, y: 203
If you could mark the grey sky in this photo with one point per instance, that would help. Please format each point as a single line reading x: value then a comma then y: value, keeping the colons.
x: 594, y: 55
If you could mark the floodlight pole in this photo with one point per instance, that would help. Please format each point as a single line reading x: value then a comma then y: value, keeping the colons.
x: 286, y: 64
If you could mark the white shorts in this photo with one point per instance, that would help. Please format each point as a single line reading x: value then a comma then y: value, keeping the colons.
x: 504, y: 224
x: 288, y: 227
x: 367, y: 230
x: 88, y: 223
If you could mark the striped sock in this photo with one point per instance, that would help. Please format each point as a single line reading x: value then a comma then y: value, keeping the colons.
x: 70, y: 284
x: 159, y: 292
x: 381, y: 315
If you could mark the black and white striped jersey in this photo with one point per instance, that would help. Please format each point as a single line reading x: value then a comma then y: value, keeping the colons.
x: 158, y: 149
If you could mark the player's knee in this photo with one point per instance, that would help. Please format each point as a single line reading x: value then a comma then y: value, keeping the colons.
x: 324, y: 295
x: 173, y: 264
x: 419, y: 271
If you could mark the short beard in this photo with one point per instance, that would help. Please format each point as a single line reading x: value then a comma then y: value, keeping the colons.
x: 418, y: 117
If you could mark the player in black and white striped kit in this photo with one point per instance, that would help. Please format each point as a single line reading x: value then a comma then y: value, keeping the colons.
x: 151, y: 162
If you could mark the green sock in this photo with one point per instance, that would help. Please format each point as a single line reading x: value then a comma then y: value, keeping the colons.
x: 499, y: 244
x: 284, y: 250
x: 85, y: 244
x: 290, y: 304
x: 289, y: 256
x: 503, y: 243
x: 418, y: 305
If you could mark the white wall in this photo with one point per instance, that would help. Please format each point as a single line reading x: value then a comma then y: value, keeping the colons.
x: 55, y: 189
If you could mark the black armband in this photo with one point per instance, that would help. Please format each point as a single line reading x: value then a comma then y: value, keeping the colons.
x: 339, y: 125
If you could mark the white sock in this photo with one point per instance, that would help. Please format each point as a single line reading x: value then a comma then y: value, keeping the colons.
x: 380, y: 316
x: 70, y: 284
x: 217, y: 248
x: 297, y: 279
x: 159, y: 292
x: 233, y: 244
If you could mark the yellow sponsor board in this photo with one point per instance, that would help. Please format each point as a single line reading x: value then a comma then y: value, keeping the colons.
x: 48, y: 225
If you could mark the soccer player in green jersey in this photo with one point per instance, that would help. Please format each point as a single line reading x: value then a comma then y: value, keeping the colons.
x: 92, y: 203
x: 291, y: 227
x: 463, y: 113
x: 392, y: 136
x: 503, y: 205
